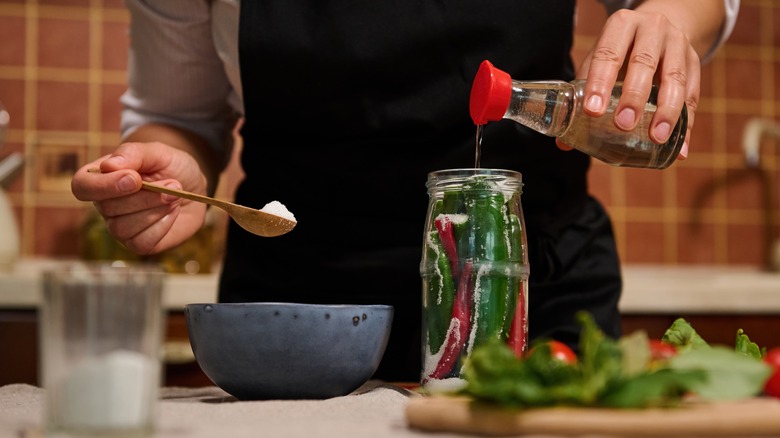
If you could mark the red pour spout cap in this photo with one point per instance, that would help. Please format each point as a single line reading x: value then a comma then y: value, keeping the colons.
x: 490, y: 94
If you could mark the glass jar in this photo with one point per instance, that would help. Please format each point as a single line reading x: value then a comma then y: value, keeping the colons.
x: 474, y: 269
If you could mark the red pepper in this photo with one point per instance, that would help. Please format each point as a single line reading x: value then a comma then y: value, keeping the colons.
x: 517, y: 331
x: 444, y: 226
x: 459, y: 325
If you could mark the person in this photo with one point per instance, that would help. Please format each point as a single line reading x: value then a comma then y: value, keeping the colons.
x: 345, y: 108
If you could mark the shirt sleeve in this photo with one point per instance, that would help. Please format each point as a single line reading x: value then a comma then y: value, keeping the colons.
x: 175, y: 75
x: 732, y: 10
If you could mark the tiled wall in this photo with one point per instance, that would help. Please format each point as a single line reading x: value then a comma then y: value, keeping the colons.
x: 62, y: 71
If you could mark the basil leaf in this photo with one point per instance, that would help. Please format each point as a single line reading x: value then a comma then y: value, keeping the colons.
x: 682, y: 334
x: 746, y: 347
x: 662, y: 388
x: 730, y: 374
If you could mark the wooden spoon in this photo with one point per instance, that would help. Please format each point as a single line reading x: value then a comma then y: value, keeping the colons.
x: 259, y: 222
x: 253, y: 220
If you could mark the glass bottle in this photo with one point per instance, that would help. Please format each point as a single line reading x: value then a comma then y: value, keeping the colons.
x: 474, y: 270
x: 554, y: 108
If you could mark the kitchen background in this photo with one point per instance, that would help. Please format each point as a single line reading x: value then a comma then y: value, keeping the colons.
x: 62, y: 70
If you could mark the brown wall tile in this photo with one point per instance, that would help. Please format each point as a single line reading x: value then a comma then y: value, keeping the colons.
x: 115, y: 44
x: 745, y: 244
x: 57, y: 231
x: 746, y: 31
x: 12, y: 29
x: 645, y: 188
x: 12, y: 94
x: 71, y: 3
x: 694, y: 187
x: 744, y: 78
x: 695, y: 243
x: 642, y: 240
x: 701, y: 139
x: 62, y: 106
x: 63, y: 43
x: 110, y: 108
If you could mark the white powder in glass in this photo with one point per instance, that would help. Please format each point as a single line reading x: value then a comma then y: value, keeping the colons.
x: 117, y: 390
x: 278, y: 209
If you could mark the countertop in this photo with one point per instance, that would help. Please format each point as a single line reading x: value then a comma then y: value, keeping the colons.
x: 382, y: 410
x: 648, y: 289
x: 21, y: 286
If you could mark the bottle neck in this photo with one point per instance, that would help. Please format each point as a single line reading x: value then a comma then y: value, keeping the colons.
x: 544, y: 106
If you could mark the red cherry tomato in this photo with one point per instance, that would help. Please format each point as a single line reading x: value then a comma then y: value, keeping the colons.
x: 660, y: 350
x: 558, y: 351
x: 562, y: 352
x: 772, y: 385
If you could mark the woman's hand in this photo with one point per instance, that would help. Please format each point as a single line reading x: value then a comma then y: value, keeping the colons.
x: 146, y: 222
x: 651, y: 44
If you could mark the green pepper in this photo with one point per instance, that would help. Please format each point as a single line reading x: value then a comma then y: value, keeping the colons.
x: 440, y: 294
x: 514, y: 286
x: 485, y: 208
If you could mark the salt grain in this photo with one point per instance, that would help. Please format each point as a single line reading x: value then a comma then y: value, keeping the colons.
x: 278, y: 209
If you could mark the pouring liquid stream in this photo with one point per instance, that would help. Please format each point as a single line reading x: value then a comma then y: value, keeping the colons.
x: 478, y: 149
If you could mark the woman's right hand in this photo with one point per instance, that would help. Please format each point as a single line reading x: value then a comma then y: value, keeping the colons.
x: 145, y: 222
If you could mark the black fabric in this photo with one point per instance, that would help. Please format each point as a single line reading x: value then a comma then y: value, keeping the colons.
x: 349, y: 105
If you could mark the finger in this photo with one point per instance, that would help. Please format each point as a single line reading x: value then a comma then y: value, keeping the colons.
x: 641, y: 68
x: 140, y: 201
x: 89, y: 185
x: 151, y: 238
x: 562, y: 146
x: 146, y: 158
x: 692, y: 100
x: 607, y: 58
x: 673, y: 87
x: 168, y: 231
x: 126, y: 226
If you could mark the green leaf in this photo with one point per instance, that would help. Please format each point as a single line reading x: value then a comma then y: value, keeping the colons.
x: 600, y: 357
x: 663, y: 388
x: 682, y: 335
x: 746, y: 347
x: 636, y: 353
x: 730, y: 374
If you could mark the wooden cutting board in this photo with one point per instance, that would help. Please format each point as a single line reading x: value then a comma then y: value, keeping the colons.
x: 744, y: 418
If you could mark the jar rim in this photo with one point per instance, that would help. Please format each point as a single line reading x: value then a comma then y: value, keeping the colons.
x: 474, y: 171
x: 504, y: 179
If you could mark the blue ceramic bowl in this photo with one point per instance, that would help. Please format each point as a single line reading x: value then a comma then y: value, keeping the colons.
x: 263, y: 351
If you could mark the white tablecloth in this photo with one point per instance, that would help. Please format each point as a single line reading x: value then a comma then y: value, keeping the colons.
x: 375, y: 410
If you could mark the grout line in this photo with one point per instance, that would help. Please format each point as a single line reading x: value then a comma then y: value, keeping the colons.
x: 27, y: 227
x: 95, y: 90
x: 669, y: 215
x: 618, y: 205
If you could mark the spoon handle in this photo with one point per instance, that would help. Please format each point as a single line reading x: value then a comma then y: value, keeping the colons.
x: 186, y: 195
x: 181, y: 194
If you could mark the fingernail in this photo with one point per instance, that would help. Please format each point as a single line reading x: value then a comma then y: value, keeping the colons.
x: 126, y: 184
x: 594, y: 103
x: 662, y: 130
x: 684, y: 150
x: 625, y: 118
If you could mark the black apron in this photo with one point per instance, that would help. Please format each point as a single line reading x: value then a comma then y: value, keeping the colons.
x: 348, y: 106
